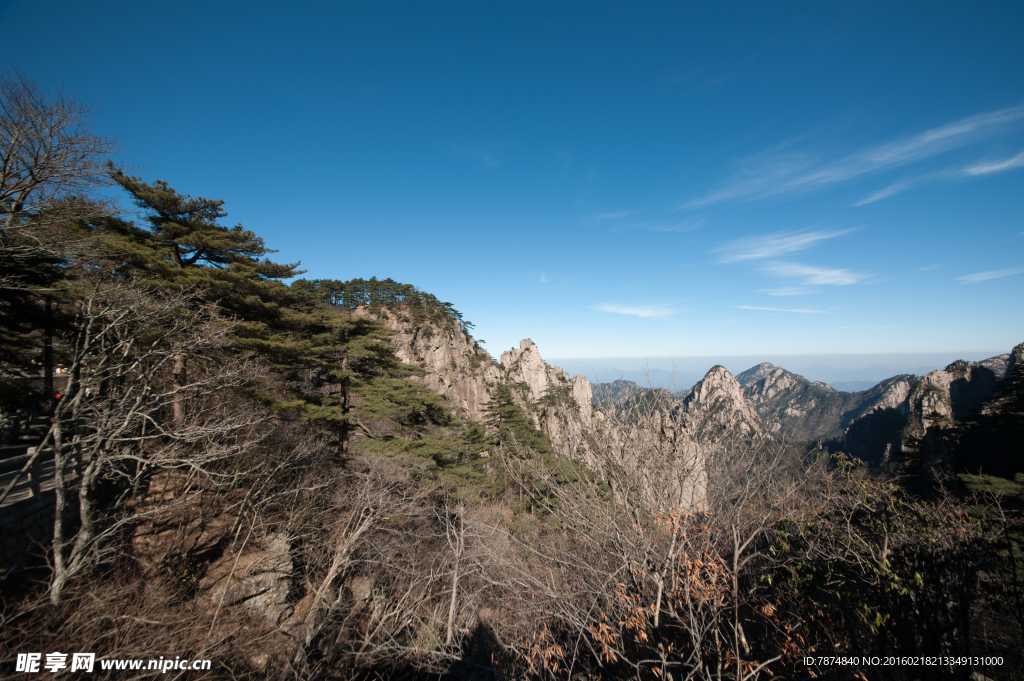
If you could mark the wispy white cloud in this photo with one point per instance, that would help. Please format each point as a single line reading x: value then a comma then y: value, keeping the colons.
x: 996, y: 166
x: 985, y: 276
x: 910, y: 183
x: 788, y: 291
x: 777, y: 173
x: 773, y: 245
x: 638, y: 311
x: 895, y: 188
x: 779, y: 309
x: 601, y: 217
x: 678, y: 227
x: 763, y: 175
x: 950, y: 174
x: 543, y: 279
x: 815, y: 276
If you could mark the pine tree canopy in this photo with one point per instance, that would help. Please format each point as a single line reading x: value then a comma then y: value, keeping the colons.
x: 375, y: 292
x: 189, y: 230
x: 512, y: 424
x: 186, y: 245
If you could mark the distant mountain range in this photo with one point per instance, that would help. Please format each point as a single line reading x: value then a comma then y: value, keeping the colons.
x: 888, y: 420
x: 848, y: 373
x: 871, y: 423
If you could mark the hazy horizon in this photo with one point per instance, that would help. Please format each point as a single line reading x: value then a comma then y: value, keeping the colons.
x: 850, y: 372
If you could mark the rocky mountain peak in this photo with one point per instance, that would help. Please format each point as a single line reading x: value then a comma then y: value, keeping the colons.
x: 1016, y: 358
x: 948, y: 394
x: 526, y: 366
x: 1001, y: 365
x: 717, y: 379
x: 959, y: 368
x: 797, y: 409
x: 755, y: 373
x: 717, y: 401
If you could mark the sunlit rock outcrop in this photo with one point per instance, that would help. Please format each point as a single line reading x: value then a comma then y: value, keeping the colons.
x: 456, y: 366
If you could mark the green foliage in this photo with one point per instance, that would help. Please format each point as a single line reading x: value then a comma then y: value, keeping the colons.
x: 559, y: 395
x: 376, y: 293
x: 990, y: 484
x: 890, y: 573
x: 186, y: 246
x: 511, y: 423
x: 343, y: 374
x: 450, y: 457
x: 188, y: 233
x: 33, y: 272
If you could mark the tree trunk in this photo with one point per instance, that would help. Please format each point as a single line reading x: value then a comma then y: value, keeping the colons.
x: 87, y: 515
x: 459, y: 543
x: 60, y: 567
x: 179, y: 379
x: 48, y: 391
x: 345, y: 411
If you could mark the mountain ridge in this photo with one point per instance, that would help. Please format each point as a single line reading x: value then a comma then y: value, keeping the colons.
x: 584, y: 421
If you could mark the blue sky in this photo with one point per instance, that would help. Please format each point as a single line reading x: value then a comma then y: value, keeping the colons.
x: 609, y: 179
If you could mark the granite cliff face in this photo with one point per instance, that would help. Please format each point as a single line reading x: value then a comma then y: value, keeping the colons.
x: 674, y: 440
x: 560, y: 407
x: 943, y: 396
x: 911, y: 410
x: 663, y: 450
x: 891, y: 393
x: 525, y: 366
x: 456, y: 366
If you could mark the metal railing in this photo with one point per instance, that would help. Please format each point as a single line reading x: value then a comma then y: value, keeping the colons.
x: 38, y: 478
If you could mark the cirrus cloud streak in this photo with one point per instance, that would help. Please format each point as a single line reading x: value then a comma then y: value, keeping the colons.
x: 815, y: 276
x: 986, y: 276
x: 774, y: 245
x: 642, y: 311
x: 779, y: 173
x: 779, y: 309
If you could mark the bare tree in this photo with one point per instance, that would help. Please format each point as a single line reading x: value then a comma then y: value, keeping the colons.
x: 113, y: 418
x: 454, y: 520
x: 47, y: 148
x: 51, y: 163
x: 647, y: 569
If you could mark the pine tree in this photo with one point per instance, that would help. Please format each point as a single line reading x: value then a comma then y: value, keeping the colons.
x: 187, y: 246
x: 37, y: 262
x: 511, y: 423
x: 338, y: 368
x: 346, y: 376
